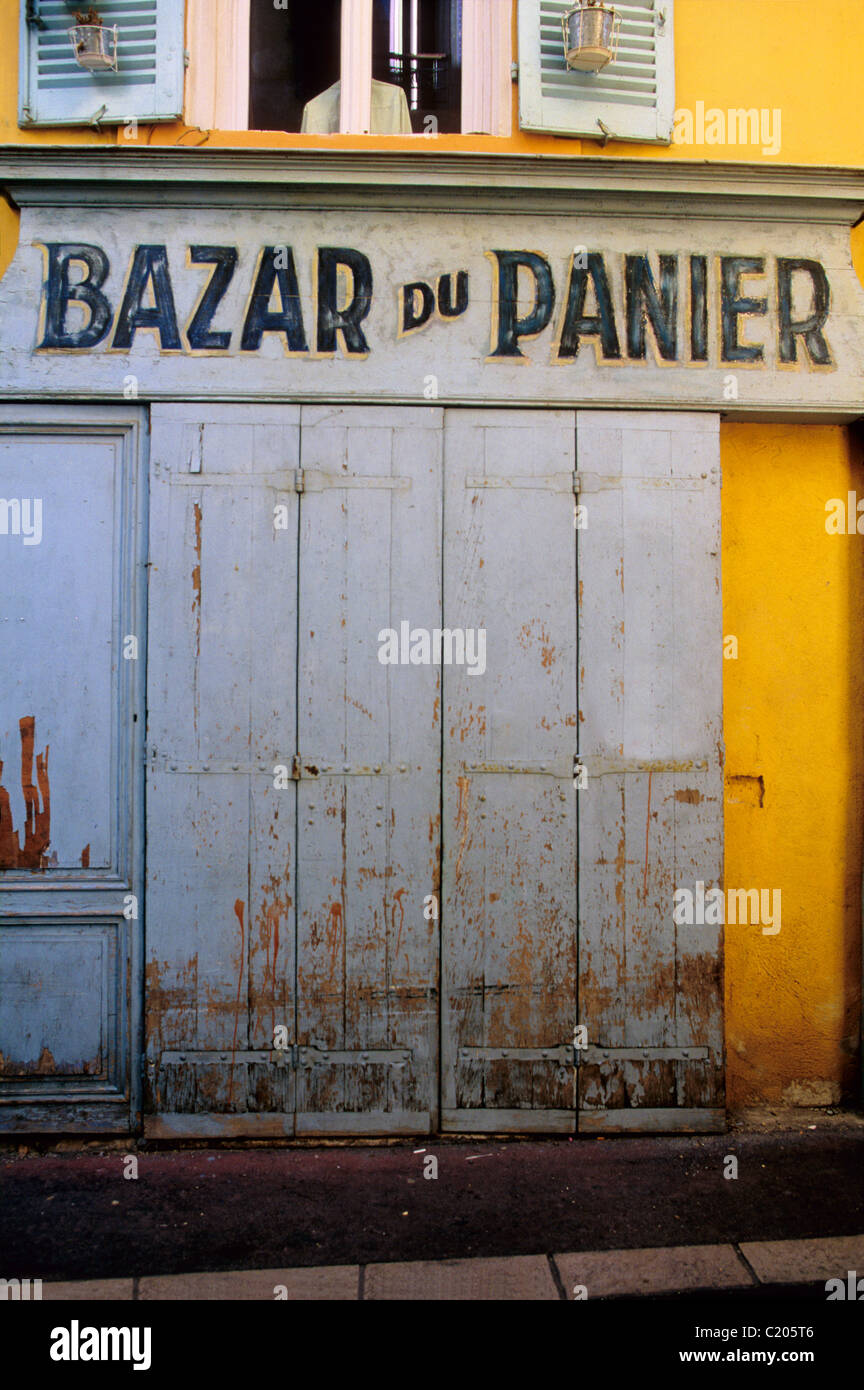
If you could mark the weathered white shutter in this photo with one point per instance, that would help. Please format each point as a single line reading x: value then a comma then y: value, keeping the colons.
x: 632, y: 98
x: 148, y: 85
x: 650, y: 737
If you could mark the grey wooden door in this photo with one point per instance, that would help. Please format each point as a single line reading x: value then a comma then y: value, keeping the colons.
x: 221, y: 876
x: 369, y: 815
x: 72, y: 530
x: 651, y: 815
x: 351, y: 858
x: 293, y: 804
x: 510, y: 851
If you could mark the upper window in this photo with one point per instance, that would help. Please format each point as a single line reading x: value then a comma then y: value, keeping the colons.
x: 416, y: 45
x: 293, y: 58
x: 296, y: 68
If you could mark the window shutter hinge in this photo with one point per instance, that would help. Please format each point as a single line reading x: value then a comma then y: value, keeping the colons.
x: 186, y: 57
x: 97, y: 117
x: 33, y: 15
x: 661, y: 21
x: 514, y: 72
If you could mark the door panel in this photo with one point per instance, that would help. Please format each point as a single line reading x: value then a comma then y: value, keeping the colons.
x: 651, y: 818
x: 509, y: 913
x: 314, y: 902
x: 369, y: 797
x: 222, y: 716
x: 71, y: 732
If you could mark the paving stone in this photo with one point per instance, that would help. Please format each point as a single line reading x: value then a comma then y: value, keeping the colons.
x: 803, y: 1261
x: 327, y: 1282
x: 108, y: 1290
x: 659, y: 1269
x: 520, y: 1277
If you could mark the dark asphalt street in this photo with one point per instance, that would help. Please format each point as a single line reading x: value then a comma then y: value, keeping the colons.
x: 75, y: 1216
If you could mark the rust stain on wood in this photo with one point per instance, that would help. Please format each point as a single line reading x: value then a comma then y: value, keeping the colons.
x: 463, y: 789
x: 238, y: 912
x: 689, y: 795
x: 196, y: 608
x: 398, y: 895
x: 85, y: 857
x: 647, y: 831
x: 37, y: 815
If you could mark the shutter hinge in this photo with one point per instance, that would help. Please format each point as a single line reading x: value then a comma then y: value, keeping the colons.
x: 97, y: 116
x: 33, y: 15
x: 514, y: 72
x: 607, y: 133
x: 186, y: 57
x: 661, y: 20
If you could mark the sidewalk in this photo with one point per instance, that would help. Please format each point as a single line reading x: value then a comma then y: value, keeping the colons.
x: 619, y: 1216
x: 756, y: 1268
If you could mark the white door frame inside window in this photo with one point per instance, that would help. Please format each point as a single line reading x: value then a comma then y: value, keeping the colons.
x: 487, y: 52
x: 217, y: 77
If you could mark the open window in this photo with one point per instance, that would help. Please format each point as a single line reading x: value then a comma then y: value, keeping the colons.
x: 295, y: 62
x: 416, y: 45
x: 349, y: 66
x: 293, y: 58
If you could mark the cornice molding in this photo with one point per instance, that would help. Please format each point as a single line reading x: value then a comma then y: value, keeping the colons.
x: 114, y: 176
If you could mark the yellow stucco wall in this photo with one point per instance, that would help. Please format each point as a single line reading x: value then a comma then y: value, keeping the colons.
x: 793, y: 595
x: 794, y: 598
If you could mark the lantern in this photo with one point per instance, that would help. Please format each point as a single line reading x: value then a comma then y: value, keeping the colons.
x: 590, y: 32
x: 94, y: 46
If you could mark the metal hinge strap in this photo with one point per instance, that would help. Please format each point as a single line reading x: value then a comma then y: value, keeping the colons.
x: 292, y: 1055
x: 601, y: 482
x: 549, y: 482
x: 552, y: 767
x: 566, y: 1054
x: 314, y: 480
x: 300, y: 768
x: 602, y: 765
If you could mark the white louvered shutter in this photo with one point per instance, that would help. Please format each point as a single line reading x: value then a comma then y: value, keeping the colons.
x: 632, y: 98
x: 148, y: 85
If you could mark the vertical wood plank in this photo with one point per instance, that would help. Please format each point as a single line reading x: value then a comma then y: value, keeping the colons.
x: 368, y: 844
x: 509, y: 918
x: 221, y: 717
x: 650, y: 689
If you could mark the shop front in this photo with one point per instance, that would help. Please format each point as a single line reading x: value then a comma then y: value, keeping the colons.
x: 363, y: 629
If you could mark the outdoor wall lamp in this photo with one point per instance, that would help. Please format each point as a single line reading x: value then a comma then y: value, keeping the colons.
x: 94, y: 46
x: 590, y: 31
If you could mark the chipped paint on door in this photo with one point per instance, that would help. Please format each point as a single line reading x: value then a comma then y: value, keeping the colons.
x: 296, y: 781
x: 651, y: 818
x: 71, y: 725
x: 509, y: 901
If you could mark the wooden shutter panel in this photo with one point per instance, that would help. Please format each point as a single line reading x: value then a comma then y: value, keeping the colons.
x: 632, y: 98
x: 651, y: 814
x: 221, y: 718
x: 148, y: 85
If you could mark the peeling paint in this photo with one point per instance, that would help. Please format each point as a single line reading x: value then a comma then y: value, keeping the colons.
x: 37, y: 823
